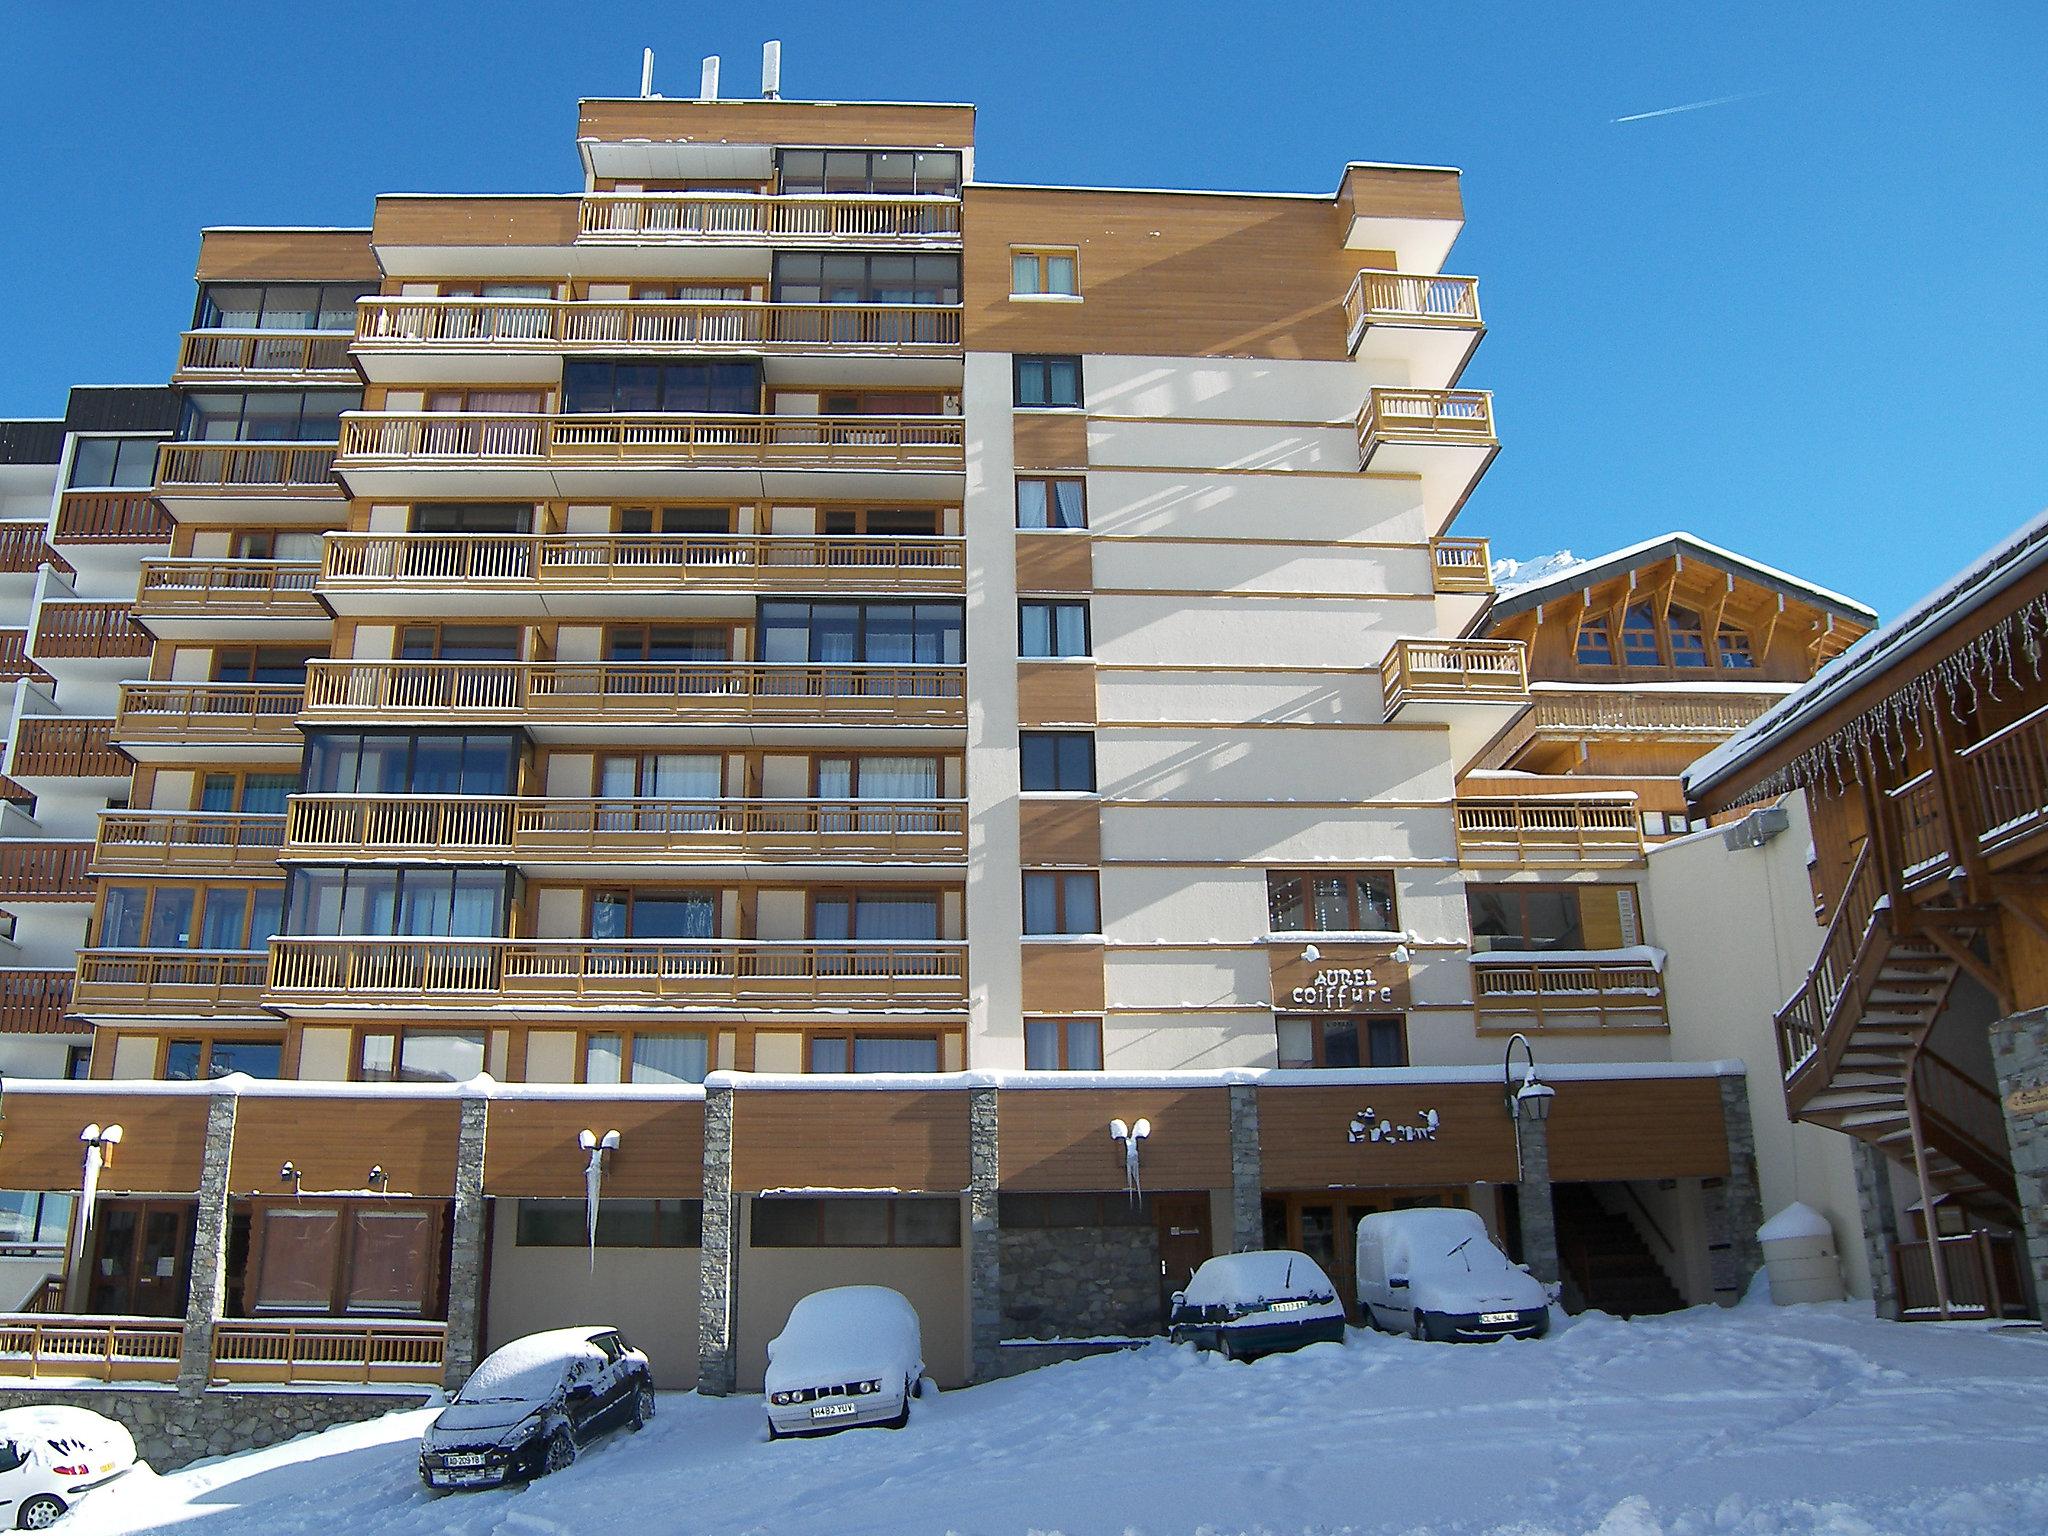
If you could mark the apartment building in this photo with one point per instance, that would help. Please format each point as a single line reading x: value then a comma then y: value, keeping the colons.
x: 857, y: 678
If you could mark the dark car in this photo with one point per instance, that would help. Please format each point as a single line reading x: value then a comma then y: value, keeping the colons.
x: 530, y: 1405
x: 1248, y: 1304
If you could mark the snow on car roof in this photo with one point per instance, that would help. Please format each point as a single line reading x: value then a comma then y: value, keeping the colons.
x: 529, y: 1369
x: 845, y: 1334
x: 1239, y: 1279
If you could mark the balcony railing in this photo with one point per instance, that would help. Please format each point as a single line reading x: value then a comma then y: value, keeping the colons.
x: 35, y: 1002
x: 1920, y: 829
x: 24, y: 548
x: 1985, y: 1272
x: 287, y: 353
x: 229, y: 589
x: 1410, y: 299
x: 1711, y: 715
x: 1550, y: 829
x: 1454, y: 672
x: 234, y: 468
x: 211, y: 714
x: 1459, y: 417
x: 56, y: 1347
x: 1808, y: 1016
x: 149, y: 980
x: 325, y: 1351
x: 112, y: 517
x: 89, y: 630
x: 731, y: 973
x: 2008, y: 774
x: 1567, y: 993
x: 67, y: 747
x: 187, y: 843
x: 525, y: 325
x: 655, y: 442
x: 35, y: 869
x: 745, y: 218
x: 848, y: 831
x: 15, y: 661
x: 660, y: 692
x: 643, y: 562
x: 1461, y: 565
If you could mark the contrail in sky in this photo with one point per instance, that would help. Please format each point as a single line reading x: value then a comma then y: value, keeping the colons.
x: 1690, y: 106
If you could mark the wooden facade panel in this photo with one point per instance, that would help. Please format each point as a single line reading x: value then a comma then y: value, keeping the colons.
x: 163, y: 1141
x: 1161, y: 274
x: 1305, y: 1137
x: 850, y: 1139
x: 287, y: 255
x: 476, y: 220
x: 1344, y: 978
x: 1060, y: 832
x: 1055, y: 562
x: 884, y: 124
x: 1401, y: 192
x: 1058, y: 1139
x: 1055, y: 693
x: 1062, y: 978
x: 334, y: 1143
x: 1049, y: 440
x: 1638, y: 1129
x: 530, y: 1148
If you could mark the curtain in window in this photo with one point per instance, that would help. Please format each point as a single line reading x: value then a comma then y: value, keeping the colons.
x: 391, y: 1260
x: 670, y: 1058
x: 294, y: 1271
x: 906, y: 919
x: 882, y: 1053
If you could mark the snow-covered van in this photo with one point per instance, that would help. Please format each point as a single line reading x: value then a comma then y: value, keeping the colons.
x: 848, y: 1356
x: 1435, y: 1274
x: 1247, y: 1304
x: 51, y: 1457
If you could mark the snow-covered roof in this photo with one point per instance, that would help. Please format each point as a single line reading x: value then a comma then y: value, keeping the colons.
x: 1532, y: 582
x: 1998, y: 570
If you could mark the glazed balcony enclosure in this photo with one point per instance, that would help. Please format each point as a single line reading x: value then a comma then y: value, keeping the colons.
x: 1426, y: 322
x: 1442, y: 437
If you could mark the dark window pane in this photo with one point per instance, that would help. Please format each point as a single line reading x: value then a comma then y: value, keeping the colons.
x: 181, y: 1060
x: 928, y: 1223
x: 853, y: 1223
x: 1340, y: 1043
x: 252, y: 1058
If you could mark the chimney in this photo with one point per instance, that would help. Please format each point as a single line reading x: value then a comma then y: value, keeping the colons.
x: 771, y: 71
x: 646, y: 73
x: 708, y: 91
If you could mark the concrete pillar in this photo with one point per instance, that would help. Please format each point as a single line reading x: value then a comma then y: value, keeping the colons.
x: 468, y: 1235
x: 1740, y: 1255
x: 1880, y: 1223
x: 208, y: 1292
x: 2019, y: 1057
x: 1247, y: 1180
x: 984, y: 1238
x: 717, y: 1310
x: 1532, y: 1201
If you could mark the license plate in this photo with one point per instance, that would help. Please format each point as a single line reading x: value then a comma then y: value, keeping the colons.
x: 833, y: 1411
x: 1287, y: 1306
x: 1500, y: 1317
x: 465, y: 1459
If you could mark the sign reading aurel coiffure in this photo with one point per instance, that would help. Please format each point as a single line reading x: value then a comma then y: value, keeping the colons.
x: 1340, y: 989
x: 1342, y: 978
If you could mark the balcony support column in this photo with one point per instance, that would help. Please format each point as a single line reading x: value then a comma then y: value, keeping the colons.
x: 1533, y: 1200
x: 984, y: 1237
x: 1879, y: 1220
x: 207, y: 1294
x: 469, y: 1233
x: 2019, y: 1056
x: 1247, y: 1173
x: 1740, y: 1254
x: 717, y: 1290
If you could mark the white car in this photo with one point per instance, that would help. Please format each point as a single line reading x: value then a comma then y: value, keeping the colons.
x: 848, y: 1356
x: 51, y: 1457
x: 1435, y: 1274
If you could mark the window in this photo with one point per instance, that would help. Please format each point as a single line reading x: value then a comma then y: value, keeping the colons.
x: 472, y: 517
x: 424, y: 763
x: 887, y: 634
x: 886, y: 172
x: 704, y: 520
x: 1056, y: 761
x: 77, y: 1061
x: 1665, y: 824
x: 128, y: 463
x: 655, y: 914
x: 666, y: 642
x: 420, y: 903
x: 641, y: 1056
x: 1524, y: 917
x: 276, y: 544
x: 1596, y: 645
x: 819, y: 277
x: 192, y: 1060
x: 1063, y: 1045
x: 206, y: 917
x: 642, y: 387
x: 1688, y: 634
x: 459, y: 642
x: 877, y: 777
x: 1052, y: 629
x: 1051, y: 502
x: 1734, y: 644
x: 879, y: 522
x: 1047, y: 383
x: 1061, y: 902
x: 260, y: 664
x: 1117, y: 1210
x: 905, y: 1221
x: 31, y: 1219
x: 1348, y: 901
x: 1342, y: 1042
x: 280, y: 306
x: 1054, y: 273
x: 620, y: 1224
x: 252, y: 794
x: 266, y: 416
x: 910, y: 917
x: 872, y: 1053
x: 1639, y: 637
x: 421, y: 1056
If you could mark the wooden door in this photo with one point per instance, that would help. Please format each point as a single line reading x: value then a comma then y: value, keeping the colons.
x: 1183, y: 1223
x: 142, y: 1258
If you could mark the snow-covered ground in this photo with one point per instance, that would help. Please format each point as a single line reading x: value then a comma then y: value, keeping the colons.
x: 1815, y: 1421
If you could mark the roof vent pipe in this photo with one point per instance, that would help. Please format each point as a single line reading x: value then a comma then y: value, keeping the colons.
x: 771, y: 71
x: 708, y: 91
x: 646, y: 74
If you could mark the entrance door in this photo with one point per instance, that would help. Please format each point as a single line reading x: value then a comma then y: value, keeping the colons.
x: 141, y: 1259
x: 1183, y: 1222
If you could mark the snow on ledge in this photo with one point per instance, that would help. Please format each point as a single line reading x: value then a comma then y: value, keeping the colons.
x: 1632, y: 954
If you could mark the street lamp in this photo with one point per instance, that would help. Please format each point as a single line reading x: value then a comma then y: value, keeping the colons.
x: 1530, y: 1099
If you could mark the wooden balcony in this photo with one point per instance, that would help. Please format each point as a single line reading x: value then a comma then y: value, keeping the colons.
x: 599, y: 693
x: 36, y: 1002
x: 1574, y: 831
x: 1985, y: 1272
x: 151, y: 982
x: 659, y: 832
x: 246, y: 469
x: 2007, y: 775
x: 1568, y: 993
x: 112, y: 517
x: 695, y: 218
x: 89, y: 631
x: 1428, y: 321
x: 315, y: 356
x: 36, y: 869
x: 466, y: 325
x: 25, y: 549
x: 55, y: 1347
x: 196, y: 843
x: 328, y: 1351
x: 1461, y: 565
x: 15, y: 661
x: 1443, y: 438
x: 1599, y: 713
x: 66, y: 747
x: 1453, y: 672
x: 593, y: 973
x: 254, y: 719
x: 191, y: 599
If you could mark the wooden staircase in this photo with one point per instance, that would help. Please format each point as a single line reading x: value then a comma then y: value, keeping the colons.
x: 1606, y: 1258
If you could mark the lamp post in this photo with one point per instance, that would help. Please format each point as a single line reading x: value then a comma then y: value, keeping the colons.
x: 1528, y: 1105
x: 1530, y: 1099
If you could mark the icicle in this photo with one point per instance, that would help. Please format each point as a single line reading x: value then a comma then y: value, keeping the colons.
x: 593, y: 1180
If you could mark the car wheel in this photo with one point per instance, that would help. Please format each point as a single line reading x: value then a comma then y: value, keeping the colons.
x: 561, y: 1452
x: 41, y: 1512
x: 1224, y: 1347
x: 643, y: 1405
x: 1417, y: 1328
x: 902, y: 1419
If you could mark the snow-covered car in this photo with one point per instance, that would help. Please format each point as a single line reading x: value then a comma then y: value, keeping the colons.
x: 50, y: 1457
x: 1248, y: 1304
x: 1435, y: 1274
x: 529, y: 1406
x: 848, y: 1356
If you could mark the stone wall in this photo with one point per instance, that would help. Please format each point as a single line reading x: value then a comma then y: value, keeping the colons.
x: 2019, y: 1051
x: 173, y: 1428
x: 1080, y: 1282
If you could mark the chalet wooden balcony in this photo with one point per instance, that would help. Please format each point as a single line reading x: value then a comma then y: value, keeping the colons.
x: 1595, y: 713
x: 57, y: 1347
x: 2007, y: 775
x: 195, y: 843
x: 328, y: 1351
x: 15, y: 661
x: 694, y: 218
x: 1453, y: 672
x: 40, y: 869
x: 250, y: 470
x: 89, y: 631
x: 66, y: 747
x: 229, y: 589
x: 159, y: 720
x: 1443, y: 438
x: 599, y: 693
x: 762, y: 974
x: 34, y: 1002
x: 112, y: 517
x: 148, y: 982
x: 545, y: 831
x: 1428, y: 321
x: 1461, y: 565
x: 467, y: 325
x: 216, y: 355
x: 1573, y: 831
x: 1571, y: 992
x: 25, y: 549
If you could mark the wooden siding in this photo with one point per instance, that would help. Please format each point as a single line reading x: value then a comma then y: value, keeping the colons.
x: 1400, y: 192
x: 887, y: 124
x: 1058, y: 1139
x: 1049, y: 440
x: 1668, y: 1128
x: 287, y: 255
x: 1062, y: 978
x: 476, y: 220
x: 820, y: 1139
x: 530, y: 1148
x: 1304, y: 1136
x: 335, y: 1142
x: 163, y: 1139
x: 1055, y: 562
x: 1060, y: 832
x: 1055, y: 693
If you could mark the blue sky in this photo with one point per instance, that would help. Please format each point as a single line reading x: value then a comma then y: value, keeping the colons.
x: 1810, y: 323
